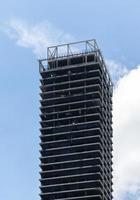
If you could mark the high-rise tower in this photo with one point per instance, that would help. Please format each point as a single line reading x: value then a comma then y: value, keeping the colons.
x: 76, y: 124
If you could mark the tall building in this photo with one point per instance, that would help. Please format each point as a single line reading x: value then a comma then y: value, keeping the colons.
x: 76, y: 124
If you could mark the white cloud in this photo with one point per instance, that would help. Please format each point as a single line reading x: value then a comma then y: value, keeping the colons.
x: 126, y: 123
x: 35, y: 36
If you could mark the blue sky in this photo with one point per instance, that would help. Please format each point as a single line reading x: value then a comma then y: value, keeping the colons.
x: 26, y: 29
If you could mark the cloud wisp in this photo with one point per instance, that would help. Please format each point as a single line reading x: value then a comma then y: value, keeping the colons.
x: 116, y: 69
x: 126, y: 103
x: 35, y: 36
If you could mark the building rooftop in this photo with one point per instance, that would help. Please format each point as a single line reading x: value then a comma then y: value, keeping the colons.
x: 70, y: 51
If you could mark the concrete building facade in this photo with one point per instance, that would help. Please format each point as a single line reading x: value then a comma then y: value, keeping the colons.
x: 76, y: 124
